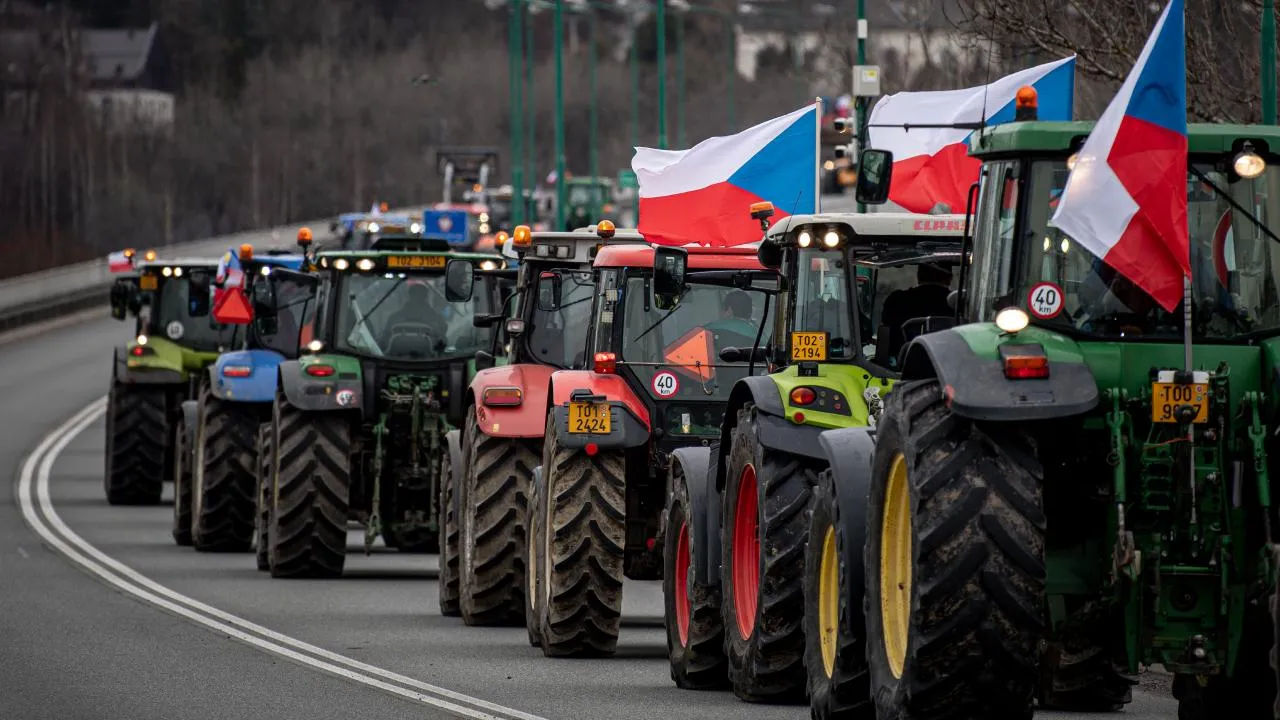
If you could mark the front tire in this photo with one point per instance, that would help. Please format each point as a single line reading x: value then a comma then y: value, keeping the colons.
x: 763, y: 532
x: 225, y: 476
x: 956, y: 527
x: 138, y: 444
x: 495, y: 503
x: 586, y: 529
x: 312, y: 478
x: 695, y: 630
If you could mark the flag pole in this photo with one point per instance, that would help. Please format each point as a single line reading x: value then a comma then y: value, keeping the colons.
x: 817, y: 157
x: 1186, y: 322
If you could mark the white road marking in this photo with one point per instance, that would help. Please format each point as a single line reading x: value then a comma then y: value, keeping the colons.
x: 37, y: 509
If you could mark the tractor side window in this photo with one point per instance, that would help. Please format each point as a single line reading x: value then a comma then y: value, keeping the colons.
x: 559, y: 337
x: 993, y: 240
x: 295, y: 306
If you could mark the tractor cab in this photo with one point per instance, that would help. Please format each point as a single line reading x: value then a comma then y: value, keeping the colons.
x: 172, y: 302
x: 585, y: 198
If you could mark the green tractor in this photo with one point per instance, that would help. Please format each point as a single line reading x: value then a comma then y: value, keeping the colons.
x: 152, y: 374
x: 735, y: 529
x: 359, y: 420
x: 1068, y: 487
x: 587, y: 198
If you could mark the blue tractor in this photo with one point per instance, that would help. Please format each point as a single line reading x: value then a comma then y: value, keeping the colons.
x: 219, y: 440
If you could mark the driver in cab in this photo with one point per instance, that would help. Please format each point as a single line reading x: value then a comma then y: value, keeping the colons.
x: 735, y: 317
x: 421, y: 307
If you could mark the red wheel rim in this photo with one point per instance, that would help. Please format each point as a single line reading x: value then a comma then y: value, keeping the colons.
x: 682, y: 585
x: 746, y: 553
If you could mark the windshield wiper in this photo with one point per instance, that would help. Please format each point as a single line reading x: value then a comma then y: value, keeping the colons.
x: 656, y: 324
x: 1225, y: 195
x: 367, y: 315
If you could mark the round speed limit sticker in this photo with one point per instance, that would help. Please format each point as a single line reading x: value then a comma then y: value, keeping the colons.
x: 665, y: 384
x: 1045, y: 300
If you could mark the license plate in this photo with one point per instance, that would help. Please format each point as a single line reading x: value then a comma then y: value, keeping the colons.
x: 148, y: 282
x: 809, y: 346
x: 416, y: 261
x: 1166, y: 397
x: 590, y: 418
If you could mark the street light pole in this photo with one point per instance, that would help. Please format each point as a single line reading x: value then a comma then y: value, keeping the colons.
x: 515, y: 70
x: 733, y: 69
x: 860, y: 103
x: 681, y: 140
x: 594, y: 120
x: 633, y: 60
x: 660, y: 19
x: 558, y: 41
x: 531, y: 67
x: 1268, y: 62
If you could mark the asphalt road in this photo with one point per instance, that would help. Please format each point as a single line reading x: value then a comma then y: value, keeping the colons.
x: 105, y: 617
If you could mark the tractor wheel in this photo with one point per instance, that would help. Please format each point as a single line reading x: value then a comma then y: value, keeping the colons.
x: 224, y: 474
x: 1078, y: 675
x: 536, y: 557
x: 585, y: 530
x: 495, y: 503
x: 1249, y: 694
x: 138, y: 444
x: 181, y: 486
x: 262, y: 519
x: 695, y: 630
x: 834, y: 626
x: 955, y: 563
x: 312, y: 480
x: 447, y: 580
x: 765, y: 525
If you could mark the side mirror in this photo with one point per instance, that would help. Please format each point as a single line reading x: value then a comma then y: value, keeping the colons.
x: 484, y: 360
x: 199, y: 293
x: 770, y: 254
x: 743, y: 354
x: 669, y: 266
x: 550, y: 292
x: 459, y: 280
x: 122, y: 291
x: 875, y: 171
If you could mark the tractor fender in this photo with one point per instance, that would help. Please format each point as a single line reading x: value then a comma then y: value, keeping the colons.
x: 526, y: 420
x: 340, y: 391
x: 146, y: 370
x: 975, y: 386
x: 849, y: 452
x: 773, y: 429
x: 190, y: 410
x: 630, y: 418
x: 260, y: 386
x: 704, y: 509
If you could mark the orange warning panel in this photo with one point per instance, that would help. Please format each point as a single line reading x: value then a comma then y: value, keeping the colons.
x: 692, y: 349
x: 232, y: 308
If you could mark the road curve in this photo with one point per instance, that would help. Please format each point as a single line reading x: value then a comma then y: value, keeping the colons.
x: 105, y: 617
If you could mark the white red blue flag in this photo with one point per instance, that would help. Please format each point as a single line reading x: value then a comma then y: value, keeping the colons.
x: 230, y: 273
x: 118, y: 262
x: 230, y: 306
x: 1126, y: 198
x: 931, y: 165
x: 703, y: 195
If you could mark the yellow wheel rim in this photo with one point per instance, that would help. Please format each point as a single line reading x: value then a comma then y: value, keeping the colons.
x: 829, y: 601
x: 895, y: 566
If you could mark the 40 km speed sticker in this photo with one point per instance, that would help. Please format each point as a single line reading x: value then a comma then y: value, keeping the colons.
x: 665, y: 384
x: 1045, y: 300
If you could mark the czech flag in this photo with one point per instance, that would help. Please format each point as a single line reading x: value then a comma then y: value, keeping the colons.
x: 1126, y: 198
x: 932, y: 170
x: 703, y: 195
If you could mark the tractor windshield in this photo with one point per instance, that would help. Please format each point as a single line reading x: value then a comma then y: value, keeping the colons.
x: 405, y: 317
x: 675, y: 353
x: 1235, y: 266
x: 186, y: 319
x: 822, y: 301
x: 559, y: 337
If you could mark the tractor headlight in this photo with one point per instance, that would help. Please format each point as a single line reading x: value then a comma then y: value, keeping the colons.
x: 365, y: 264
x: 315, y: 346
x: 142, y: 340
x: 1012, y: 320
x: 374, y: 227
x: 415, y: 228
x: 804, y: 239
x: 831, y: 239
x: 341, y: 264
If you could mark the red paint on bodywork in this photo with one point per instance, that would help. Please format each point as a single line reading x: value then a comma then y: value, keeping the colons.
x: 612, y: 387
x: 529, y: 419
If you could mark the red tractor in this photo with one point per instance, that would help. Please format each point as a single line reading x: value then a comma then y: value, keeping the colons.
x: 671, y: 333
x: 490, y: 462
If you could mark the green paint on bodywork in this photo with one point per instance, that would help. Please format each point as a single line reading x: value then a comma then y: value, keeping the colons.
x: 850, y: 381
x: 168, y: 355
x: 985, y: 340
x: 1060, y: 137
x: 340, y: 363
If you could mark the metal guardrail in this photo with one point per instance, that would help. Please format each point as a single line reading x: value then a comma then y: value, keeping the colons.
x: 59, y: 291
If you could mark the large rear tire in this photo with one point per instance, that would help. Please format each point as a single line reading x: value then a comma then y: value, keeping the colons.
x: 181, y: 486
x: 834, y: 626
x: 225, y: 472
x: 447, y: 581
x: 763, y: 532
x: 586, y: 536
x: 695, y: 630
x: 312, y: 480
x: 536, y: 569
x: 138, y: 444
x: 955, y: 563
x: 262, y: 518
x: 495, y: 504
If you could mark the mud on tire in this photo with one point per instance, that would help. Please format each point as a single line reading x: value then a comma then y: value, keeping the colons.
x: 495, y: 503
x: 974, y: 612
x: 312, y: 475
x: 447, y: 581
x: 695, y: 630
x: 181, y: 486
x: 535, y: 552
x: 224, y: 501
x: 586, y: 526
x: 763, y: 608
x: 138, y: 444
x: 262, y: 516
